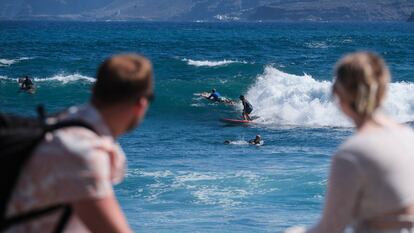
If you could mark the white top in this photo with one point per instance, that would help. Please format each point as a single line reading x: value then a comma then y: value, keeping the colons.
x: 372, y: 174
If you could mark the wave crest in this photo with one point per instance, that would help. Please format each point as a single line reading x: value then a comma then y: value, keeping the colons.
x: 285, y: 99
x: 9, y: 62
x: 62, y: 78
x: 208, y: 63
x: 66, y: 78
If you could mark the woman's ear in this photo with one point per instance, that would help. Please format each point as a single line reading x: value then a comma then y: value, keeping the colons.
x: 349, y: 109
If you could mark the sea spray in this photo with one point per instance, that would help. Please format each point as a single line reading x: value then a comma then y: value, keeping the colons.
x: 400, y: 101
x: 280, y: 98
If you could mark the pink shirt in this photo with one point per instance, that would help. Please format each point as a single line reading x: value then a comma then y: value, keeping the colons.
x: 70, y: 165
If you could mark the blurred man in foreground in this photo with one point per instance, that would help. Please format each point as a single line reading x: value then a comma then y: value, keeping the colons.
x: 78, y: 167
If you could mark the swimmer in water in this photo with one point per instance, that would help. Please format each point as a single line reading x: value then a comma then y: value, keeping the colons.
x: 256, y: 141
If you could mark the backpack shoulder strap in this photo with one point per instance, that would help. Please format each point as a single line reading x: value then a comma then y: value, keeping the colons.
x: 69, y: 123
x: 8, y: 222
x: 60, y: 226
x: 28, y: 216
x: 64, y: 219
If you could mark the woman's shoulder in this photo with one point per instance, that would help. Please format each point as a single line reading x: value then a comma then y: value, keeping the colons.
x: 372, y: 145
x: 358, y: 147
x: 353, y: 144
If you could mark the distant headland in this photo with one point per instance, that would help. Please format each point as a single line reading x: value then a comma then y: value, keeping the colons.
x: 211, y: 10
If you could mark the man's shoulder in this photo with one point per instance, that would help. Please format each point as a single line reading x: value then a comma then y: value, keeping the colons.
x: 78, y: 149
x: 76, y: 142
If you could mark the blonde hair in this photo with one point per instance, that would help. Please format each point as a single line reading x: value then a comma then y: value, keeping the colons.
x: 362, y: 78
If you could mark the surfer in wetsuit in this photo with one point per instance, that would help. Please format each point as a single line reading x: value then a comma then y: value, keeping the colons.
x: 247, y: 108
x: 214, y: 95
x: 256, y: 141
x: 26, y: 84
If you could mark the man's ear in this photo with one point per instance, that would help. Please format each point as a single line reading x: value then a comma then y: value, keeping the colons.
x: 140, y: 107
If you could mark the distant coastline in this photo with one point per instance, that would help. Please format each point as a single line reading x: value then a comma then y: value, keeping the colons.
x: 244, y: 21
x: 211, y: 11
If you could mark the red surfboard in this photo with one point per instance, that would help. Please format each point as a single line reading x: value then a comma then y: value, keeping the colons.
x: 235, y: 121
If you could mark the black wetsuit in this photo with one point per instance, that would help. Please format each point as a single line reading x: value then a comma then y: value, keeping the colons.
x: 27, y: 84
x: 247, y: 107
x: 255, y: 142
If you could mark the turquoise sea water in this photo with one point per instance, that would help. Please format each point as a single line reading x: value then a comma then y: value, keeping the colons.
x: 181, y: 177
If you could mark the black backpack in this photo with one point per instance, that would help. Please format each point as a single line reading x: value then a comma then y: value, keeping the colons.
x: 19, y: 136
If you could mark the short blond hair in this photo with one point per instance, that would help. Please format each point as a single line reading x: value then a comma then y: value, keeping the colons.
x: 123, y: 78
x: 363, y: 79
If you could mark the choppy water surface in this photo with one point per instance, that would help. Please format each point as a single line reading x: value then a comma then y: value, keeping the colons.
x: 181, y: 177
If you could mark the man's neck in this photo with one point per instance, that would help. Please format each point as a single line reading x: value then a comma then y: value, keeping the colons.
x: 110, y: 117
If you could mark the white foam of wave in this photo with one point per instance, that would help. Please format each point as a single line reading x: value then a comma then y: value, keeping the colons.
x: 6, y: 62
x: 9, y: 62
x: 400, y: 101
x: 211, y: 63
x: 347, y: 41
x: 5, y: 78
x: 66, y: 78
x: 244, y: 143
x: 224, y: 196
x: 226, y: 18
x: 285, y: 99
x: 197, y: 105
x: 316, y: 45
x: 239, y: 142
x: 154, y: 174
x: 211, y: 188
x: 224, y: 189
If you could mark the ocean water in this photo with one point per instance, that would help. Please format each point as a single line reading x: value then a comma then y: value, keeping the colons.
x: 181, y: 177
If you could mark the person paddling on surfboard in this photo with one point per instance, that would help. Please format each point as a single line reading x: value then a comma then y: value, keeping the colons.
x: 26, y: 83
x: 247, y: 108
x: 214, y: 95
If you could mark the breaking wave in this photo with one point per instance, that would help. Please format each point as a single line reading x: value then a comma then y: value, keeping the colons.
x: 285, y: 99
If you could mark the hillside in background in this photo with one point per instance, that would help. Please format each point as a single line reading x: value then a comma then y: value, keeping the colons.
x: 208, y: 10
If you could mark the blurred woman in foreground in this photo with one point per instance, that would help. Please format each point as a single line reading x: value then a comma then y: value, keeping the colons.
x: 371, y: 182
